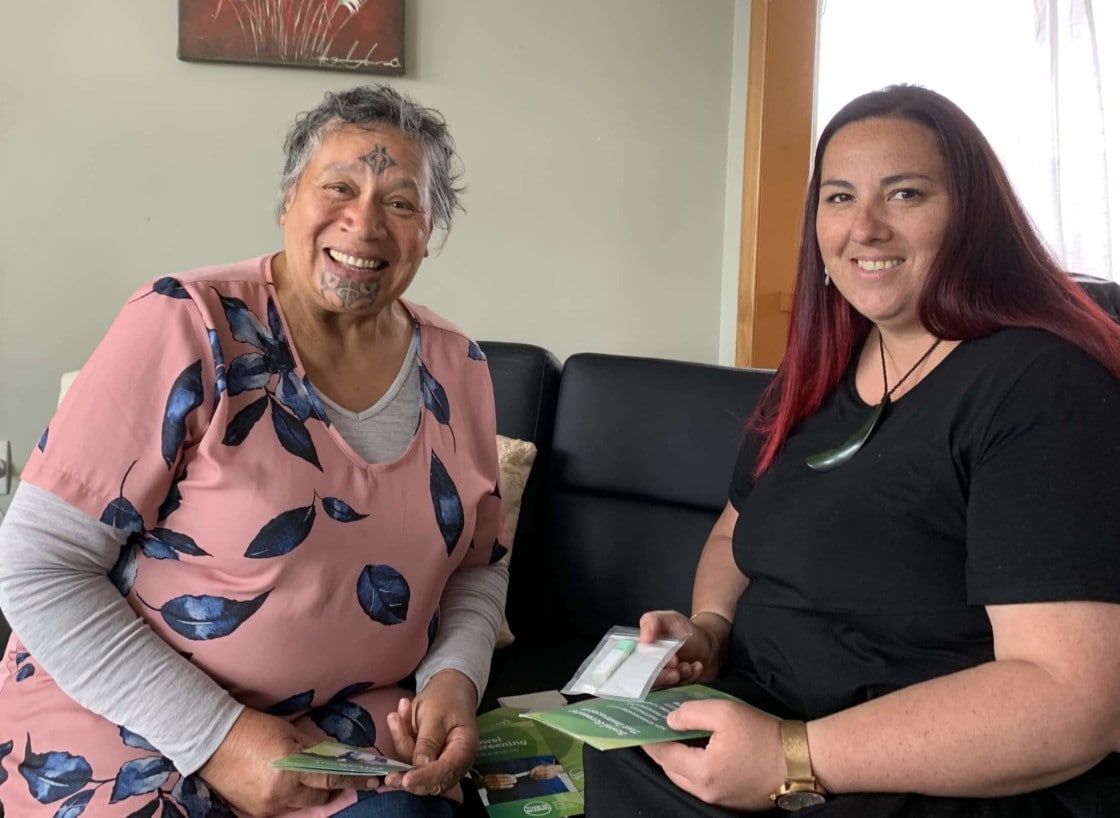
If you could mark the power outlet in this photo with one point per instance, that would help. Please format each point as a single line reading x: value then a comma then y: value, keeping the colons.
x: 5, y: 467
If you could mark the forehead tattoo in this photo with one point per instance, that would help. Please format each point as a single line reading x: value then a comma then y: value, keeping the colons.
x: 379, y: 159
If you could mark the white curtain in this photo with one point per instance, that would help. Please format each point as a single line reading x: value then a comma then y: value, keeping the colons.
x: 1040, y: 79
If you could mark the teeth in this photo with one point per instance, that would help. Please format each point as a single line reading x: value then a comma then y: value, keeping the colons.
x: 351, y: 261
x: 878, y: 265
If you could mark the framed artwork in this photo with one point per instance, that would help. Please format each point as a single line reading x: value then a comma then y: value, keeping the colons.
x: 350, y: 35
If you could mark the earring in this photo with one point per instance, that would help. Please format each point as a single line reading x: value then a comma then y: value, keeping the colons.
x: 827, y: 280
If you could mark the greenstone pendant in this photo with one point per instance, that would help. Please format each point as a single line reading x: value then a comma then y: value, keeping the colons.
x: 831, y: 459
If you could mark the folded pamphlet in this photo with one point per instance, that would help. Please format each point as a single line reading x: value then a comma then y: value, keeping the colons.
x: 523, y: 768
x: 609, y: 724
x: 340, y: 759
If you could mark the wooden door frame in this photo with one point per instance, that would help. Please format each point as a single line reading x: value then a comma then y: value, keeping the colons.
x: 781, y: 71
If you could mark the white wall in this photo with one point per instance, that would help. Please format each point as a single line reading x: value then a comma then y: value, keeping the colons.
x: 594, y: 134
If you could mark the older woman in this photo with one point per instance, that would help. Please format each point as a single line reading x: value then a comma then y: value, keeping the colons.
x: 238, y: 534
x: 919, y: 557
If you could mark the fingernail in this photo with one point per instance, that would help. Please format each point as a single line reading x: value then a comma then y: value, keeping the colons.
x: 421, y: 760
x: 372, y: 783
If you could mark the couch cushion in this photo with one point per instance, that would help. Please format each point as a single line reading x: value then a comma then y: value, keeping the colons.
x: 515, y: 460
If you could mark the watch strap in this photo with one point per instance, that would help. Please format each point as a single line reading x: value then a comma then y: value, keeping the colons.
x: 795, y: 744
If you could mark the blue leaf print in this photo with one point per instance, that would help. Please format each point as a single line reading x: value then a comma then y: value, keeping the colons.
x: 24, y: 672
x: 156, y: 550
x: 176, y: 542
x: 148, y: 810
x: 474, y: 352
x: 20, y: 657
x: 244, y: 326
x: 292, y: 705
x: 184, y: 398
x: 383, y: 594
x: 208, y: 617
x: 293, y: 395
x: 132, y: 739
x: 338, y: 510
x: 447, y: 505
x: 170, y: 286
x: 497, y: 551
x: 433, y: 627
x: 282, y: 533
x: 275, y: 325
x: 435, y: 399
x: 351, y: 690
x: 244, y: 421
x: 120, y: 513
x: 316, y: 405
x: 140, y: 776
x: 248, y: 371
x: 293, y: 436
x: 195, y: 797
x: 220, y: 381
x: 345, y: 722
x: 5, y: 749
x: 43, y: 439
x: 75, y: 805
x: 55, y: 775
x: 123, y: 573
x: 173, y: 500
x: 170, y: 810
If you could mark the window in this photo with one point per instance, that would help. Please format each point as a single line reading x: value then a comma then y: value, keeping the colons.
x: 1033, y: 76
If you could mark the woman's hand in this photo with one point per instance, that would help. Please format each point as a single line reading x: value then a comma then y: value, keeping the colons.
x: 700, y: 657
x: 499, y: 781
x: 238, y: 770
x: 543, y: 772
x: 437, y: 732
x: 742, y: 763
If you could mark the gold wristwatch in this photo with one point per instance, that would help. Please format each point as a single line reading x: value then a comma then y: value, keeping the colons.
x: 801, y: 788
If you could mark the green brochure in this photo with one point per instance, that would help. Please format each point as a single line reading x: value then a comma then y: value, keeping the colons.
x: 339, y: 759
x: 608, y: 724
x: 524, y: 769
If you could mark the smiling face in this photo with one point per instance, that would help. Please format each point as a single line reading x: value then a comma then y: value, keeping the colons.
x: 356, y: 223
x: 883, y: 211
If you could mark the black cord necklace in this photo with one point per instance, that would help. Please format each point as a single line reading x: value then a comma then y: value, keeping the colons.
x: 830, y: 459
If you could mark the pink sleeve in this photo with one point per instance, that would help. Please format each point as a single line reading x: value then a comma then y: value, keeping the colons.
x: 133, y: 416
x: 490, y: 537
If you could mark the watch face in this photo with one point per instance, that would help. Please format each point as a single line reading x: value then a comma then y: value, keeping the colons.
x: 799, y: 800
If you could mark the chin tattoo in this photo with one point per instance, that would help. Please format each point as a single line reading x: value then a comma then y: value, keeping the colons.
x: 349, y: 294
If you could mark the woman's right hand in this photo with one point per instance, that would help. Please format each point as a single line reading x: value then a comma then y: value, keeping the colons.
x: 700, y: 657
x: 238, y: 770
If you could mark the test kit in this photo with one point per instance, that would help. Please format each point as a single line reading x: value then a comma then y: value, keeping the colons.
x: 622, y: 666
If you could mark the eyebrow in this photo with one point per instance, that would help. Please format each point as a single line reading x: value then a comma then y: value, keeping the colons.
x: 356, y: 167
x: 886, y: 181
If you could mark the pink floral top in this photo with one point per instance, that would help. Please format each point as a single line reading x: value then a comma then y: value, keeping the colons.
x: 303, y: 579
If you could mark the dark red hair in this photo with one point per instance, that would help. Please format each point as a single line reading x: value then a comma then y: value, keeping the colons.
x: 991, y: 272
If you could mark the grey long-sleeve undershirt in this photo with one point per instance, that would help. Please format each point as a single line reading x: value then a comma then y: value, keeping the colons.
x: 55, y: 593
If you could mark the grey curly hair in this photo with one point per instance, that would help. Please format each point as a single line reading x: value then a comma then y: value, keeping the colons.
x: 379, y: 105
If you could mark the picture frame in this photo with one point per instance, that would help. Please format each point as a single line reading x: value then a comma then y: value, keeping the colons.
x: 364, y: 36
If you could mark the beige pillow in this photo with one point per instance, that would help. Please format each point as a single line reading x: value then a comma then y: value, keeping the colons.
x: 515, y: 459
x: 64, y: 384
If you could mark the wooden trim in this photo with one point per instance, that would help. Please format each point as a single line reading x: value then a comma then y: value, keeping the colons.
x: 777, y: 152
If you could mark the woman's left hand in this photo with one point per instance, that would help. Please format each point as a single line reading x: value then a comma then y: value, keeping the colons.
x: 437, y: 731
x: 742, y: 763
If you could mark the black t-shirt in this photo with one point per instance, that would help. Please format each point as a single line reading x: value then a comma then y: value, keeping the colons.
x: 992, y: 481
